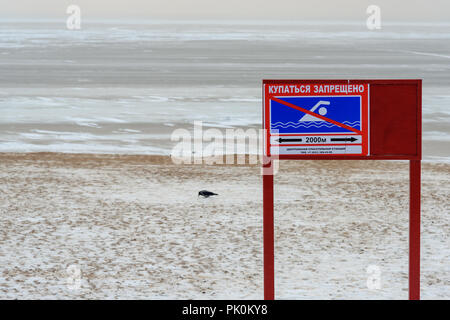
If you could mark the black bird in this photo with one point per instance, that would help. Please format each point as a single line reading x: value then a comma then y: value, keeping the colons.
x: 206, y: 193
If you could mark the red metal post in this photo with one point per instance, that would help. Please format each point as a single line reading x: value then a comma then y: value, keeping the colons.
x: 414, y: 229
x: 268, y: 235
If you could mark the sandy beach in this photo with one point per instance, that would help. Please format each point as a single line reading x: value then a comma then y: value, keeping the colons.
x: 134, y: 228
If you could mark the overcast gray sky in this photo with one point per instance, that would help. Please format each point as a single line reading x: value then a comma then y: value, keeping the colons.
x: 391, y: 10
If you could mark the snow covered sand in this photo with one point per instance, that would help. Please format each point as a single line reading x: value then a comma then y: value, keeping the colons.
x: 134, y: 228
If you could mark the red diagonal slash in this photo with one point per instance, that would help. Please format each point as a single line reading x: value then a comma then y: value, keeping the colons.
x: 293, y: 106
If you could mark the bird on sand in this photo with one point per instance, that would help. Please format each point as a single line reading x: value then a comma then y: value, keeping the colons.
x: 206, y: 193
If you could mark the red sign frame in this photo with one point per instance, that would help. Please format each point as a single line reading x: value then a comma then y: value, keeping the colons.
x: 386, y: 143
x: 395, y: 133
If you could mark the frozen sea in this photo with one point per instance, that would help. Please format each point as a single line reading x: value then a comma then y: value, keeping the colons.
x: 123, y: 87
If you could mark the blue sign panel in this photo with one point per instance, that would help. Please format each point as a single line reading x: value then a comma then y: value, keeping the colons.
x: 343, y: 109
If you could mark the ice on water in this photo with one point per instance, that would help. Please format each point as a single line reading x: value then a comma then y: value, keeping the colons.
x: 124, y: 87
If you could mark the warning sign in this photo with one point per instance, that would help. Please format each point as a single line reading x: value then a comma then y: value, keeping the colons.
x: 316, y: 119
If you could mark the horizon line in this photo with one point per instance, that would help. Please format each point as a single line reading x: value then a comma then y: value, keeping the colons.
x: 226, y: 21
